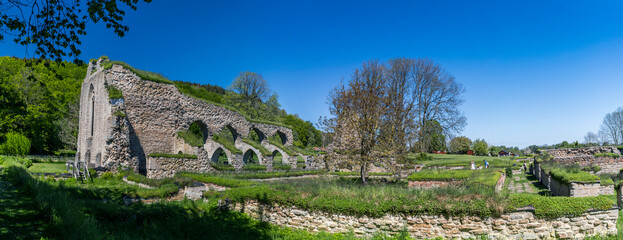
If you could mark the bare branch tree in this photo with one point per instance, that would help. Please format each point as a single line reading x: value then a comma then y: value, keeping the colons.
x: 591, y: 138
x: 612, y: 126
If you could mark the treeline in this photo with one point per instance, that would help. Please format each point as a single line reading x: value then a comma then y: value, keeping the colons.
x: 461, y: 145
x: 40, y: 100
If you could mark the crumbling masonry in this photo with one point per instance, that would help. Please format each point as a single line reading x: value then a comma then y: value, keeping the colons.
x: 124, y: 132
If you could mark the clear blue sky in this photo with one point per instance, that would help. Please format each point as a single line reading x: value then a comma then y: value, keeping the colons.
x: 535, y: 72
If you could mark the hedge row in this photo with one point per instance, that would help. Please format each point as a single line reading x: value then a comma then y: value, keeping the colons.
x: 566, y: 176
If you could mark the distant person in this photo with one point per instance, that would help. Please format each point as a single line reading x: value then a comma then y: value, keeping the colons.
x: 473, y: 165
x: 486, y: 163
x: 525, y: 168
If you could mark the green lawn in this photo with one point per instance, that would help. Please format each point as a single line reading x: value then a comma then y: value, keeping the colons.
x: 453, y: 160
x: 48, y: 168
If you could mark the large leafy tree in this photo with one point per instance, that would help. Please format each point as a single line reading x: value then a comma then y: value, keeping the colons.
x: 480, y: 147
x: 460, y: 145
x: 55, y: 27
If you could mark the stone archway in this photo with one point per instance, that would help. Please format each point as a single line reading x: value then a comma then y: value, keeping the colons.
x: 217, y: 157
x: 251, y: 157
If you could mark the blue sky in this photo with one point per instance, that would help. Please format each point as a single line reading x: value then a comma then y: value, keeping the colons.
x: 535, y: 72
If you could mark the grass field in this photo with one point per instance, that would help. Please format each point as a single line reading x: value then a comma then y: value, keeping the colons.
x: 452, y: 160
x: 48, y: 168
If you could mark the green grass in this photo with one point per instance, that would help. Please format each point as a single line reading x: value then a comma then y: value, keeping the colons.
x: 254, y: 167
x: 48, y: 168
x: 222, y: 167
x: 218, y: 180
x: 454, y: 160
x: 485, y: 177
x: 191, y: 138
x: 257, y: 145
x: 145, y: 75
x: 345, y: 174
x: 227, y: 143
x: 171, y: 155
x: 20, y: 217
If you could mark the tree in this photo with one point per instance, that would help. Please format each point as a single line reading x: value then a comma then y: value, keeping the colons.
x: 55, y: 27
x: 437, y: 97
x: 358, y: 108
x: 480, y: 147
x: 612, y: 126
x: 591, y: 138
x: 251, y: 86
x: 433, y: 135
x: 460, y: 145
x: 494, y: 151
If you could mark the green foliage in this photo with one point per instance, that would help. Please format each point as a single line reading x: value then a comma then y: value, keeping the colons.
x: 207, y: 92
x: 282, y: 167
x: 48, y: 168
x: 344, y: 174
x: 179, y: 181
x: 509, y: 171
x: 567, y: 176
x: 114, y: 92
x: 350, y: 198
x: 453, y: 160
x: 423, y: 157
x: 434, y: 138
x: 591, y: 168
x: 120, y: 114
x: 193, y: 136
x: 222, y: 167
x: 220, y: 181
x: 170, y: 155
x: 226, y: 138
x: 39, y: 99
x: 254, y: 167
x: 460, y: 145
x: 553, y: 207
x: 480, y: 147
x: 145, y: 75
x: 257, y: 145
x: 485, y: 178
x: 16, y: 145
x: 606, y: 180
x: 611, y: 155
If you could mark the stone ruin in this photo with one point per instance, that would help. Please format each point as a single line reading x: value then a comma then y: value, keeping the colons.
x: 124, y: 132
x: 586, y: 157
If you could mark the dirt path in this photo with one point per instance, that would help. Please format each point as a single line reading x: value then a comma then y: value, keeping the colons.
x: 20, y: 217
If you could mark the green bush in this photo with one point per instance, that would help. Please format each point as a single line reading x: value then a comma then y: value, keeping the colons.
x: 567, y: 176
x: 282, y: 167
x: 553, y: 207
x: 509, y: 171
x: 15, y: 145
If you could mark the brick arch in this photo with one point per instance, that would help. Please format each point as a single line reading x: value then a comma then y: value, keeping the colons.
x: 205, y: 130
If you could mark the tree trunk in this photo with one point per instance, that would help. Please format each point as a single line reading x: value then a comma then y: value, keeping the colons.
x: 364, y: 173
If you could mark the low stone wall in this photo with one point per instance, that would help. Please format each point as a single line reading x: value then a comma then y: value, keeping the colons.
x: 574, y: 189
x: 516, y: 225
x: 584, y: 189
x: 160, y: 167
x: 606, y: 190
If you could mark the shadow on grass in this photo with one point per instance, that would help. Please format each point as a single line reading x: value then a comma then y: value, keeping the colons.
x: 540, y: 189
x: 75, y: 211
x: 19, y: 216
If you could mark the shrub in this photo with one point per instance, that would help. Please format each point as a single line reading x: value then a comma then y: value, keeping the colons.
x: 222, y: 167
x: 15, y: 145
x: 282, y: 167
x: 509, y: 171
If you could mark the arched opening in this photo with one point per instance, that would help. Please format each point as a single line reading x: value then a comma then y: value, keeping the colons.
x: 227, y: 137
x: 219, y: 157
x: 279, y: 139
x: 92, y: 98
x: 256, y: 135
x: 279, y: 162
x: 196, y: 134
x: 300, y: 162
x: 250, y: 157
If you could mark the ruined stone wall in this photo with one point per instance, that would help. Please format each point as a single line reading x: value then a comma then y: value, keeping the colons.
x: 574, y: 189
x: 585, y: 157
x: 516, y: 225
x: 154, y: 114
x: 159, y: 167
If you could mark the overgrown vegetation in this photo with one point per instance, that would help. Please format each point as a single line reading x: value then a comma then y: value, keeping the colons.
x: 40, y: 101
x: 552, y: 207
x: 568, y: 173
x: 15, y: 144
x: 610, y: 155
x: 113, y: 92
x: 485, y: 178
